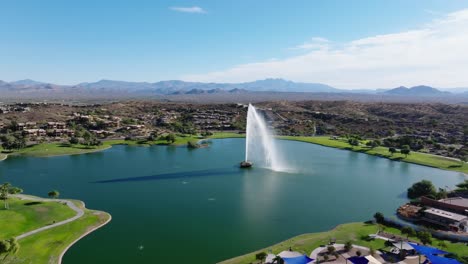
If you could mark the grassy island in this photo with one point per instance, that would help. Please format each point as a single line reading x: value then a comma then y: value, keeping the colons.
x: 357, y: 233
x: 47, y: 246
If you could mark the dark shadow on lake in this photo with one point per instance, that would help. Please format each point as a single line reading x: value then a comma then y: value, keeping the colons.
x: 176, y: 175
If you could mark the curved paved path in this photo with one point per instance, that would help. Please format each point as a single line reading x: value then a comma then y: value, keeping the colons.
x: 316, y: 251
x: 79, y: 213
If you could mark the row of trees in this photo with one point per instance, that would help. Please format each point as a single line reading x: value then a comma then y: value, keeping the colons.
x: 424, y: 236
x: 13, y: 141
x: 426, y: 188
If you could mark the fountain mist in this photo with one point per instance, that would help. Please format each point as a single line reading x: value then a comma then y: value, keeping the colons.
x: 260, y: 147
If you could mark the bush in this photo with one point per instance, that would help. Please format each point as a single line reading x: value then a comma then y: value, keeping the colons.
x: 348, y: 246
x: 74, y: 140
x: 422, y: 188
x: 260, y: 256
x: 425, y: 237
x: 193, y: 144
x: 379, y: 217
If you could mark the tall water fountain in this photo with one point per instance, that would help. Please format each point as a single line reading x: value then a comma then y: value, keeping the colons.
x: 260, y: 146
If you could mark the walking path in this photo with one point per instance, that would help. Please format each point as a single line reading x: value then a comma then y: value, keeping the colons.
x: 79, y: 213
x: 316, y: 251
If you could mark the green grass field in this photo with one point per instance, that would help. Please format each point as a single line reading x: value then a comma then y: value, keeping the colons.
x: 414, y: 157
x: 48, y: 245
x: 25, y: 216
x: 219, y: 135
x: 355, y: 232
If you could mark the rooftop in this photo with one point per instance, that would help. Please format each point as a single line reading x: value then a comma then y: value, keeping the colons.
x: 456, y: 201
x: 445, y: 214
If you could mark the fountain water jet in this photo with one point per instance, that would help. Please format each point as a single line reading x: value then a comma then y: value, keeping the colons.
x: 260, y: 147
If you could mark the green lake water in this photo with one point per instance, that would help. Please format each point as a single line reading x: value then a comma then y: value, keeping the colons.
x: 176, y: 205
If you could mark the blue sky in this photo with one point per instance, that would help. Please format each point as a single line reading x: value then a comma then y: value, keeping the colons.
x: 68, y: 42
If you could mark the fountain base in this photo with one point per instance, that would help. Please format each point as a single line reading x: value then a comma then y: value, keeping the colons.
x: 246, y: 164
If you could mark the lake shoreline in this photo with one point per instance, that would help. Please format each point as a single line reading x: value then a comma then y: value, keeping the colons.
x: 322, y: 141
x: 109, y: 218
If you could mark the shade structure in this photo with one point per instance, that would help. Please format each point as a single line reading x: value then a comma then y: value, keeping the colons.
x: 423, y: 250
x: 372, y: 260
x: 358, y: 260
x: 298, y: 260
x: 441, y: 260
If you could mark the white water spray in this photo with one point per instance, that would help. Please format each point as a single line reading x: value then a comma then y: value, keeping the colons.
x: 260, y: 147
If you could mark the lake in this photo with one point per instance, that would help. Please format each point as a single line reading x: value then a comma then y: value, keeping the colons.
x: 176, y: 205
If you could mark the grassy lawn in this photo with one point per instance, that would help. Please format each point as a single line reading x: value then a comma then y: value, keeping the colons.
x: 414, y: 157
x: 47, y: 246
x: 218, y: 135
x: 180, y: 140
x: 355, y: 232
x: 56, y: 149
x: 25, y: 216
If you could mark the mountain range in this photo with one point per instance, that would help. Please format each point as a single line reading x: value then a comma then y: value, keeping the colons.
x: 177, y: 87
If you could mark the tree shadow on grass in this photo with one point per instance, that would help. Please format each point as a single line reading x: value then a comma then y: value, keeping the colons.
x: 32, y: 203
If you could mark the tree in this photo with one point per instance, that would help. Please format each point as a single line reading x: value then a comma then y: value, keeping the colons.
x: 358, y: 253
x: 379, y: 217
x: 53, y: 194
x: 4, y: 247
x: 392, y: 150
x: 353, y: 142
x: 193, y: 144
x: 421, y: 188
x: 10, y: 246
x: 405, y: 150
x: 373, y: 143
x: 425, y: 237
x: 408, y: 231
x: 441, y: 194
x: 326, y: 257
x: 260, y: 256
x: 331, y: 250
x: 348, y: 246
x: 6, y: 189
x: 13, y: 141
x: 171, y: 138
x: 462, y: 187
x: 74, y: 140
x: 442, y: 244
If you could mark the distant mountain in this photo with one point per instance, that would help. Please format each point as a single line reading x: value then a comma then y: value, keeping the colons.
x: 182, y: 87
x: 420, y: 90
x: 281, y: 85
x: 27, y: 82
x: 123, y: 89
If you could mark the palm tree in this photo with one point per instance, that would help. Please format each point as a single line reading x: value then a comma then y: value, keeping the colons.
x: 5, y: 190
x: 4, y: 193
x: 53, y: 194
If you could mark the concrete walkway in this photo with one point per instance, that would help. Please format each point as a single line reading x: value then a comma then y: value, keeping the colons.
x: 79, y: 213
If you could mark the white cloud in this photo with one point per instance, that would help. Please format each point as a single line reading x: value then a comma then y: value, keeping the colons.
x: 435, y: 54
x: 314, y: 43
x: 192, y: 9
